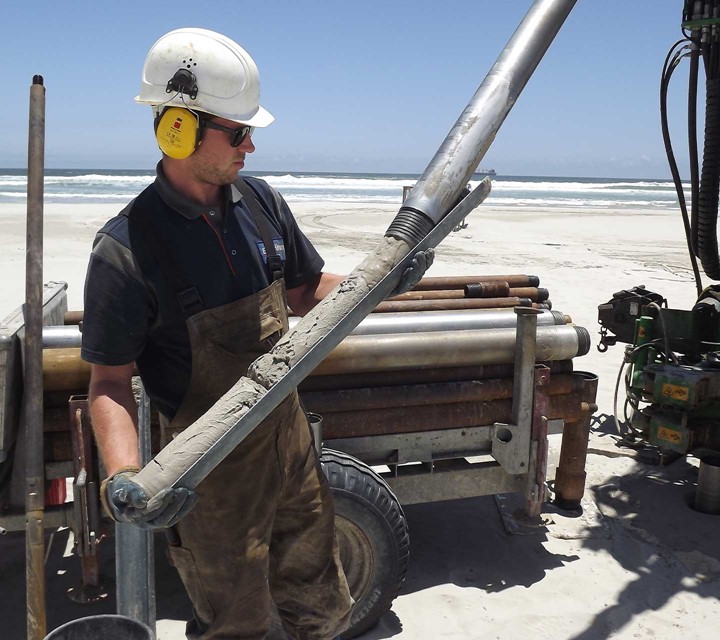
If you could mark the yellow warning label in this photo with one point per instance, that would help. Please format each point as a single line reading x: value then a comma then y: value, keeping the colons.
x: 641, y: 332
x: 670, y: 435
x: 676, y: 392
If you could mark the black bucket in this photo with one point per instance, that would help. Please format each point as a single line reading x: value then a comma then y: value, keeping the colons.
x: 105, y: 627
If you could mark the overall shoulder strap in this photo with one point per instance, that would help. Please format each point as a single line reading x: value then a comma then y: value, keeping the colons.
x: 274, y: 261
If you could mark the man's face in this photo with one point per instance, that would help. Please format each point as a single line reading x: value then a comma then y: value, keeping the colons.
x: 215, y: 161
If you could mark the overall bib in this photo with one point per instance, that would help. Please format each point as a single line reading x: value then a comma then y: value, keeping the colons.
x: 263, y: 525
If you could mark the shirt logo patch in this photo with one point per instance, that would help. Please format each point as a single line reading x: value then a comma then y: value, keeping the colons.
x: 279, y: 248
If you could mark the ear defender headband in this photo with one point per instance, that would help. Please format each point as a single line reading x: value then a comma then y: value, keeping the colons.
x: 177, y: 130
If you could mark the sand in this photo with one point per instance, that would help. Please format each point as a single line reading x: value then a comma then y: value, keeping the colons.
x: 639, y: 563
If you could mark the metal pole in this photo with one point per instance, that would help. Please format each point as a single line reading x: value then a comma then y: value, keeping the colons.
x: 465, y: 146
x: 134, y: 547
x: 537, y: 467
x: 33, y: 391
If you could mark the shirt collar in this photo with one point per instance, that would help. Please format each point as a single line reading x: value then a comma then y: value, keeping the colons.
x: 185, y: 207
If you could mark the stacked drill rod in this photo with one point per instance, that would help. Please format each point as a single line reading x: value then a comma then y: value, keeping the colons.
x: 411, y: 371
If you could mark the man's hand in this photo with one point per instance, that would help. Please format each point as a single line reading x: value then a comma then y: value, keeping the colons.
x: 125, y: 501
x: 418, y: 266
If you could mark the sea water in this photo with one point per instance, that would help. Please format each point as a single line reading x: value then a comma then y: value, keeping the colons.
x: 120, y: 186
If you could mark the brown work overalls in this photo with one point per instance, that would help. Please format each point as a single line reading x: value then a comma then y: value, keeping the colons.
x: 263, y: 525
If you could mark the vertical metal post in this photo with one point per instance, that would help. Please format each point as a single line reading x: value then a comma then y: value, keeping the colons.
x: 524, y: 378
x: 537, y: 466
x: 32, y: 379
x: 511, y: 442
x: 134, y: 547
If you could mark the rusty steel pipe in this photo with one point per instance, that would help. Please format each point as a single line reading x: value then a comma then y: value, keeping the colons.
x: 460, y: 282
x: 400, y: 306
x: 533, y: 293
x: 536, y: 294
x: 570, y: 475
x: 352, y: 424
x: 419, y: 376
x: 73, y: 317
x: 32, y: 377
x: 487, y: 290
x: 430, y: 294
x: 421, y: 394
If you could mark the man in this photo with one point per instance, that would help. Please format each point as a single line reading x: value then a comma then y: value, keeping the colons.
x: 190, y: 284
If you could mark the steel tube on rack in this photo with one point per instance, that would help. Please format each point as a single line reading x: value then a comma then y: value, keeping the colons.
x: 69, y: 336
x: 448, y: 349
x: 421, y: 394
x: 459, y: 320
x: 570, y: 475
x: 61, y: 337
x: 457, y: 158
x: 419, y: 376
x: 401, y: 306
x: 32, y: 378
x: 460, y: 282
x: 351, y: 424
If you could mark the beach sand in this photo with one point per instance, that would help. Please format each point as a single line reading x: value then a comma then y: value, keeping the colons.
x: 639, y: 563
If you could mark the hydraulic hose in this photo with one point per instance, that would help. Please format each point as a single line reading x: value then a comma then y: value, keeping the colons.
x: 710, y: 184
x: 693, y: 146
x: 676, y: 54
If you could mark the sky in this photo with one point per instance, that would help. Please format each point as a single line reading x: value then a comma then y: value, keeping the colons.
x: 371, y: 86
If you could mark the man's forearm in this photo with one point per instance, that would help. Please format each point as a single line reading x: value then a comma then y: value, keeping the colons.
x: 114, y: 416
x: 304, y: 298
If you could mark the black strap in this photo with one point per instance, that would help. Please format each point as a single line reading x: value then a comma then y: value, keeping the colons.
x: 274, y: 261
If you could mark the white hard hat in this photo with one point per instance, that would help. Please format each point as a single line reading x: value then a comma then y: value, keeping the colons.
x: 204, y: 71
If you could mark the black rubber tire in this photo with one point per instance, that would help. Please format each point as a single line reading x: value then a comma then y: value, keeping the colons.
x: 373, y: 537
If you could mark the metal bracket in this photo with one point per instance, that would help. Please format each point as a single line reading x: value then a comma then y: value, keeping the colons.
x: 511, y: 447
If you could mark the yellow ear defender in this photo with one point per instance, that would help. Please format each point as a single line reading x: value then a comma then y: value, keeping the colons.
x: 178, y: 132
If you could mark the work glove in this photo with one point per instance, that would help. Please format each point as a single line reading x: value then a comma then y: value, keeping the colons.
x: 125, y: 501
x: 418, y: 266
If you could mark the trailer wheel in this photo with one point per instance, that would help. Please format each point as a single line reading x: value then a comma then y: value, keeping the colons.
x: 372, y: 534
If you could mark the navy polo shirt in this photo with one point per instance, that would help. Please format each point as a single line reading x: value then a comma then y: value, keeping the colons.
x: 132, y: 312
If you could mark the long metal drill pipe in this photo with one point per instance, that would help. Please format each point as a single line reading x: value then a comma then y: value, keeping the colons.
x: 401, y: 306
x: 355, y: 424
x: 32, y: 379
x: 418, y: 225
x: 449, y: 349
x: 465, y: 146
x: 335, y: 400
x: 460, y: 282
x: 69, y: 336
x: 535, y: 294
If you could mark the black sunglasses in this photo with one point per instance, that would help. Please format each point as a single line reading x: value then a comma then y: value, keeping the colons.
x: 236, y: 135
